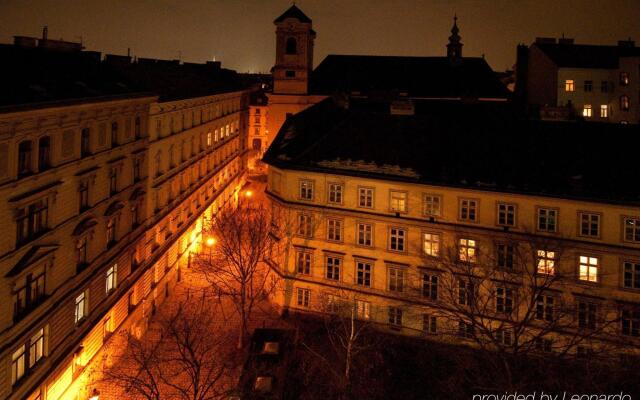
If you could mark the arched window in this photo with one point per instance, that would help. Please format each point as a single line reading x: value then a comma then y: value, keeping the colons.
x: 44, y: 153
x: 24, y: 158
x: 292, y: 46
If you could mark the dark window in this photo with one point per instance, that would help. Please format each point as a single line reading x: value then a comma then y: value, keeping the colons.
x: 137, y: 132
x: 113, y: 182
x: 290, y: 74
x: 32, y: 221
x: 44, y: 153
x: 631, y: 322
x: 136, y: 170
x: 24, y: 158
x: 28, y: 296
x: 505, y: 256
x: 292, y: 46
x: 430, y: 286
x: 624, y: 103
x: 111, y: 233
x: 257, y: 144
x: 588, y: 86
x: 84, y: 196
x: 114, y: 134
x: 604, y: 86
x: 85, y: 142
x: 587, y: 313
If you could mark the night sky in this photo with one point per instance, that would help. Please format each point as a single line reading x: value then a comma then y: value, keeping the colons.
x: 240, y: 33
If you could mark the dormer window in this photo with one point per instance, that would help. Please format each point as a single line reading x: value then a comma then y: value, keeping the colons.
x: 292, y: 46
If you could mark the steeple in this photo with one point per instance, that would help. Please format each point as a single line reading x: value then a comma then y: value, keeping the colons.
x: 454, y: 48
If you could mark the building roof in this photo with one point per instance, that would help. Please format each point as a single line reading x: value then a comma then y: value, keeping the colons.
x: 586, y: 56
x: 32, y: 77
x: 293, y: 12
x: 479, y: 146
x: 429, y: 77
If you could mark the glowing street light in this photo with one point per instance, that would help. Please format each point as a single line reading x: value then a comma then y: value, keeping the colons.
x: 248, y: 193
x: 210, y: 241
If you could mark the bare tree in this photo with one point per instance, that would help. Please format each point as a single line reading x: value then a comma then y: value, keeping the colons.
x: 186, y: 355
x: 235, y: 266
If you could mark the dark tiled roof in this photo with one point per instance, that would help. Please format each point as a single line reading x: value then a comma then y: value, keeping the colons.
x: 433, y: 77
x: 36, y: 76
x: 482, y: 146
x: 586, y: 56
x: 293, y: 12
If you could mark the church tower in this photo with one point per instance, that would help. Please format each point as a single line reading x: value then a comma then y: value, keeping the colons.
x: 294, y: 52
x: 454, y: 48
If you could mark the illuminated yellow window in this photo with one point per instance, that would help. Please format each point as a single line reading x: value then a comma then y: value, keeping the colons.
x: 586, y: 111
x: 546, y: 262
x: 569, y: 85
x: 604, y: 111
x: 588, y: 269
x: 467, y: 250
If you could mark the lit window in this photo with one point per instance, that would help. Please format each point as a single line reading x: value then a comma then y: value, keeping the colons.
x: 624, y: 103
x: 604, y: 111
x: 547, y: 219
x: 467, y: 250
x: 209, y: 139
x: 569, y: 85
x: 363, y: 273
x: 303, y: 297
x: 430, y: 286
x: 397, y: 238
x: 365, y: 234
x: 468, y: 210
x: 589, y: 224
x: 18, y: 361
x: 112, y: 277
x: 546, y: 262
x: 398, y: 201
x: 365, y: 197
x: 432, y: 205
x: 632, y: 229
x: 586, y: 111
x: 334, y: 230
x: 80, y: 307
x: 631, y: 279
x: 624, y: 78
x: 334, y: 264
x: 363, y: 309
x: 544, y: 307
x: 335, y: 193
x: 396, y: 280
x: 431, y: 244
x: 36, y: 347
x: 506, y: 214
x: 306, y: 190
x: 303, y: 262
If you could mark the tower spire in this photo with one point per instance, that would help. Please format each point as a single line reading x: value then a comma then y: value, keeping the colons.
x: 454, y: 48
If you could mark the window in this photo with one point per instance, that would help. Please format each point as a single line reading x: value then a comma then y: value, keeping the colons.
x: 291, y: 46
x: 587, y: 112
x: 85, y: 142
x: 334, y: 230
x: 332, y: 304
x: 468, y: 210
x: 81, y: 253
x: 256, y: 144
x: 465, y: 292
x: 632, y: 229
x: 114, y: 134
x: 631, y: 322
x: 624, y: 78
x: 111, y: 232
x: 396, y: 280
x: 364, y: 234
x: 588, y: 86
x: 305, y: 225
x: 334, y: 264
x: 396, y: 239
x: 430, y: 286
x: 303, y: 262
x: 432, y: 205
x: 365, y: 197
x: 24, y: 158
x: 547, y: 219
x: 32, y: 221
x: 504, y: 300
x: 631, y: 275
x: 81, y: 307
x: 587, y: 314
x: 604, y: 111
x: 395, y: 317
x: 28, y: 295
x: 504, y: 255
x: 36, y: 347
x: 544, y: 307
x: 18, y: 364
x: 588, y: 269
x: 429, y: 324
x: 431, y: 244
x: 465, y: 330
x: 363, y: 273
x: 589, y: 224
x: 303, y: 297
x: 504, y: 336
x: 137, y: 131
x: 467, y: 250
x: 398, y: 202
x: 624, y: 103
x: 546, y: 262
x: 363, y: 309
x: 335, y: 193
x: 604, y: 86
x: 83, y: 193
x: 113, y: 181
x: 112, y: 278
x: 506, y: 214
x: 543, y: 345
x: 44, y: 153
x: 569, y: 85
x: 306, y: 190
x: 208, y: 139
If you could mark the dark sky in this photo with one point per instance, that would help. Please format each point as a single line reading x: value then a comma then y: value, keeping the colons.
x: 240, y: 33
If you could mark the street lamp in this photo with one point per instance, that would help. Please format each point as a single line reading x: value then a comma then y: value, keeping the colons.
x: 248, y: 193
x: 210, y: 241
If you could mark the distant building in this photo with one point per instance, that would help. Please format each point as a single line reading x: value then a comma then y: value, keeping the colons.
x: 258, y: 134
x: 563, y: 80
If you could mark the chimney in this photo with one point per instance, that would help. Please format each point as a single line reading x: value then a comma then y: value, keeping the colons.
x: 45, y: 32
